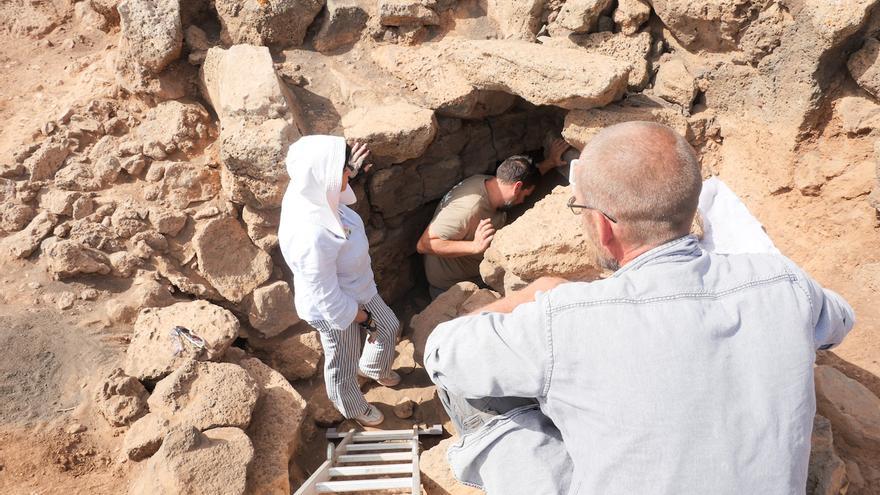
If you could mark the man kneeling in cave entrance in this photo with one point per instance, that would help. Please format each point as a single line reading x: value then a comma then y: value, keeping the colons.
x: 468, y: 216
x: 684, y: 372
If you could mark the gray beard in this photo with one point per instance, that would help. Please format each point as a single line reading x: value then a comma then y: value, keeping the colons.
x: 601, y: 257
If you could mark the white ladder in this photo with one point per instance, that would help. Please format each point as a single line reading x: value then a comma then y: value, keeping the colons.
x: 376, y: 455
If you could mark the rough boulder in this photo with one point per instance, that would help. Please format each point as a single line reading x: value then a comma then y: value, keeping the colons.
x: 277, y: 23
x: 233, y: 277
x: 257, y: 125
x: 213, y: 462
x: 151, y: 355
x: 517, y: 256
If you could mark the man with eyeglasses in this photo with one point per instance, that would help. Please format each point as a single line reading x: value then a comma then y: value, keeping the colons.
x: 684, y: 372
x: 467, y: 217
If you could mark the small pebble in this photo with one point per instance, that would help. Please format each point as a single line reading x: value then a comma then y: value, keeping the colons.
x: 404, y: 408
x: 75, y: 428
x: 88, y: 294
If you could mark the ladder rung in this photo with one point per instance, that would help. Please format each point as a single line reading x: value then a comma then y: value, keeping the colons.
x: 358, y: 485
x: 385, y: 456
x: 378, y: 446
x: 371, y: 470
x: 373, y: 436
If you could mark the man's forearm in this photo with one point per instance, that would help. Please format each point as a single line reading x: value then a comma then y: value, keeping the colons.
x: 448, y: 249
x: 508, y: 303
x: 546, y: 166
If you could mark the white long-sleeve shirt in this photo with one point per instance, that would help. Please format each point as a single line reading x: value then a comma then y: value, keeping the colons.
x: 331, y: 275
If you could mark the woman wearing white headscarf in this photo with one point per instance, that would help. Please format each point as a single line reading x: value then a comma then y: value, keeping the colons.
x: 326, y: 247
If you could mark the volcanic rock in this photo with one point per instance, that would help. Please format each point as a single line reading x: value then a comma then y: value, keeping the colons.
x: 274, y: 430
x: 852, y: 408
x: 150, y: 354
x: 395, y: 132
x: 68, y: 258
x: 121, y: 398
x: 296, y: 353
x: 517, y: 256
x: 206, y: 395
x: 277, y: 23
x: 213, y: 462
x: 233, y: 277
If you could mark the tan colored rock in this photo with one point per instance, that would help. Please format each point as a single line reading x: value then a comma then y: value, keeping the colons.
x: 407, y: 13
x: 144, y: 437
x: 857, y: 114
x: 24, y: 242
x: 439, y: 177
x: 47, y: 159
x: 184, y: 183
x: 233, y: 277
x: 322, y: 411
x: 173, y: 127
x: 150, y: 354
x: 86, y: 176
x: 277, y: 23
x: 257, y: 115
x: 404, y: 408
x: 564, y: 77
x: 124, y: 263
x: 296, y: 353
x: 444, y: 308
x: 151, y: 32
x: 343, y: 23
x: 630, y: 15
x: 852, y: 408
x: 394, y: 132
x: 857, y: 180
x: 633, y: 50
x: 262, y: 226
x: 58, y: 202
x: 272, y: 310
x: 581, y: 16
x: 442, y: 88
x: 516, y: 19
x: 712, y: 25
x: 674, y: 83
x: 121, y: 399
x: 274, y: 430
x: 827, y: 472
x: 864, y: 66
x: 581, y: 125
x: 167, y: 221
x: 15, y: 217
x: 517, y: 256
x: 210, y: 463
x: 206, y: 395
x: 145, y: 292
x: 436, y: 476
x: 813, y: 170
x: 70, y: 258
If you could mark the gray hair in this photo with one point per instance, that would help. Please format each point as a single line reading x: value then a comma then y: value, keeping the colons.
x: 646, y: 176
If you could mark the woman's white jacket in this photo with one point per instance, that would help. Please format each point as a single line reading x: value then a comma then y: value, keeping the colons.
x: 322, y: 240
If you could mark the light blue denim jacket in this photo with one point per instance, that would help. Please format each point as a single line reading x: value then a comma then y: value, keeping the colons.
x: 684, y: 372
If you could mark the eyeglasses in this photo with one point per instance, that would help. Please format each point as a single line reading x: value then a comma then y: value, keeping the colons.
x: 576, y: 209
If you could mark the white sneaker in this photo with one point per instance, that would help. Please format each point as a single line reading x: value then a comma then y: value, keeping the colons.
x: 373, y: 417
x: 392, y: 380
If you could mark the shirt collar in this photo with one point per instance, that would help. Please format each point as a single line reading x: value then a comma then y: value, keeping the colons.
x: 683, y: 247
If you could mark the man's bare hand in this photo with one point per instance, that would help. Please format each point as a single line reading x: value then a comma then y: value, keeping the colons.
x: 525, y: 295
x: 557, y: 148
x: 359, y: 154
x: 483, y: 236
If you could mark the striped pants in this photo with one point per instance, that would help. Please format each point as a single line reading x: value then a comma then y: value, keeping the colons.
x: 342, y: 356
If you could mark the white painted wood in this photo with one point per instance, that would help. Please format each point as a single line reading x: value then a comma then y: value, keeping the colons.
x: 359, y: 485
x: 370, y: 470
x: 320, y: 475
x: 382, y: 456
x: 381, y: 436
x: 360, y: 447
x: 416, y: 474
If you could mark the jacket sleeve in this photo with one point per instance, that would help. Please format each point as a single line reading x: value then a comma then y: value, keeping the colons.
x: 492, y: 354
x: 832, y: 316
x: 318, y: 275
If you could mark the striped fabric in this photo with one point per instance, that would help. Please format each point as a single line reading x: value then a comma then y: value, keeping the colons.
x: 342, y: 348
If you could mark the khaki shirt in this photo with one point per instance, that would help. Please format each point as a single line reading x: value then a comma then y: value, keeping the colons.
x: 456, y: 219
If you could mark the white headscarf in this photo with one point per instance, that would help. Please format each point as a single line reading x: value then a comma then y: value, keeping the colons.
x: 315, y: 165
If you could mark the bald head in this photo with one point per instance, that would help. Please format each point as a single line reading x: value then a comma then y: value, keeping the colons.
x: 646, y: 176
